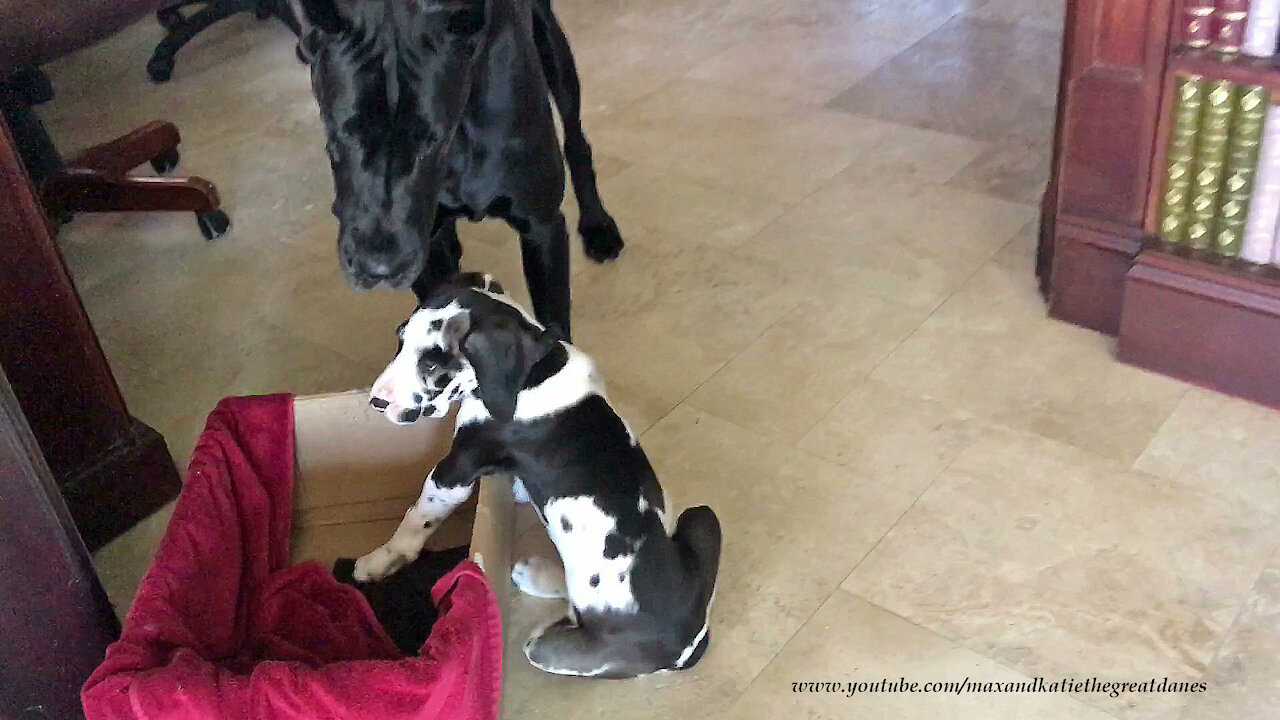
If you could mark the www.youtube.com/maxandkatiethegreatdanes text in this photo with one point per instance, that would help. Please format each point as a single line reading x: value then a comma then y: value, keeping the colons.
x: 1036, y: 685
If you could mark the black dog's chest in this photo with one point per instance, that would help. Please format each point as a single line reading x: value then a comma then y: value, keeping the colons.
x: 501, y: 171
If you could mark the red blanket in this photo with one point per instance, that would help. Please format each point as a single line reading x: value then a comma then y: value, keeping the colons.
x: 223, y: 627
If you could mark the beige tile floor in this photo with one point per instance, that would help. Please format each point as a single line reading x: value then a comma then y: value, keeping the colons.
x: 825, y: 324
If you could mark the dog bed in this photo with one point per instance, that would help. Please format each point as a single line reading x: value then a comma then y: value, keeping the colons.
x: 223, y: 627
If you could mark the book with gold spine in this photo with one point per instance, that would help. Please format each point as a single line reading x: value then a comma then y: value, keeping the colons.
x: 1197, y: 23
x: 1241, y: 167
x: 1172, y: 220
x: 1211, y: 154
x: 1229, y: 20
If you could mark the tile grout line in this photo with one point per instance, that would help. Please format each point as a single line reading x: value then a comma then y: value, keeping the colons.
x: 735, y: 252
x: 838, y: 588
x: 961, y: 646
x: 1133, y: 465
x: 1235, y: 621
x: 867, y: 376
x: 840, y: 585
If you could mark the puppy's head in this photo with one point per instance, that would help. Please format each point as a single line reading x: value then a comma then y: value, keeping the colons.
x: 391, y: 80
x: 428, y: 372
x: 461, y: 343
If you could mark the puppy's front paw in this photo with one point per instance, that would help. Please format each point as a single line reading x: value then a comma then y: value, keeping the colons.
x: 376, y: 565
x: 539, y: 577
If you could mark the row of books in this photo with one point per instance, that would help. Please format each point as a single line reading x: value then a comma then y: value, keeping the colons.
x: 1251, y: 27
x: 1222, y: 170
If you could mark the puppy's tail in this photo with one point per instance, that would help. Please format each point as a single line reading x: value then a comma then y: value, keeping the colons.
x: 697, y: 536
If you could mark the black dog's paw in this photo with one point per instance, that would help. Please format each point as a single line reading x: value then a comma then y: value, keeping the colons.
x: 602, y: 242
x: 344, y: 571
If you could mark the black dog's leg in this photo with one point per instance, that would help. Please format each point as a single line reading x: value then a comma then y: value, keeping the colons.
x: 545, y: 251
x: 444, y: 258
x: 601, y: 239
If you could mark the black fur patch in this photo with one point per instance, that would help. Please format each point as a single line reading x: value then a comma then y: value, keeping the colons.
x: 595, y: 580
x: 615, y: 546
x: 435, y: 356
x: 500, y: 207
x: 565, y: 524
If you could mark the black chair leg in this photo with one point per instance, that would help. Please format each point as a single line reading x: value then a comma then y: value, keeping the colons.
x: 160, y: 66
x: 171, y: 14
x: 18, y: 92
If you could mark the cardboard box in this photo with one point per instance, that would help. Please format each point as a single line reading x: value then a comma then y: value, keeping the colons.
x: 357, y: 474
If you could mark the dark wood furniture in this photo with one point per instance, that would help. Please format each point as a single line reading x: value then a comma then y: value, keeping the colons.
x: 56, y: 622
x: 33, y: 32
x: 1206, y: 319
x: 112, y: 469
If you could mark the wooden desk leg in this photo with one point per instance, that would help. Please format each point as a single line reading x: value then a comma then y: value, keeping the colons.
x: 56, y: 622
x: 112, y: 469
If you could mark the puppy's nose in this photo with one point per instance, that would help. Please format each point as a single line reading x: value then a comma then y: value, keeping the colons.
x: 378, y: 403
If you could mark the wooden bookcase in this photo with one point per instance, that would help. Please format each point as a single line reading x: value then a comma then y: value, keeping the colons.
x: 1207, y: 319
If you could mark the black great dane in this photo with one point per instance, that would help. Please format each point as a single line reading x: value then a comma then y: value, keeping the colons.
x: 436, y: 110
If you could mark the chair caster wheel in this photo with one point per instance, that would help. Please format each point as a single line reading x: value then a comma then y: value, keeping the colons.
x: 213, y: 224
x: 165, y: 162
x: 160, y: 69
x: 169, y: 18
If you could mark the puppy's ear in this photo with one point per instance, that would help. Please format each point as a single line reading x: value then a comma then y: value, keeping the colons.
x: 502, y: 352
x: 455, y: 329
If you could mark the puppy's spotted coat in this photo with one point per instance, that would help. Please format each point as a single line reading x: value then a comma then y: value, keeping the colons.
x: 532, y: 406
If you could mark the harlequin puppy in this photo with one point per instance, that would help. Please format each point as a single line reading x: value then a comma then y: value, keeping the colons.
x: 532, y: 406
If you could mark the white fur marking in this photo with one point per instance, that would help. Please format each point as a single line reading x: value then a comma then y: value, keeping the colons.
x: 508, y: 300
x: 706, y: 622
x: 582, y: 551
x: 571, y: 385
x: 688, y: 652
x: 470, y: 411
